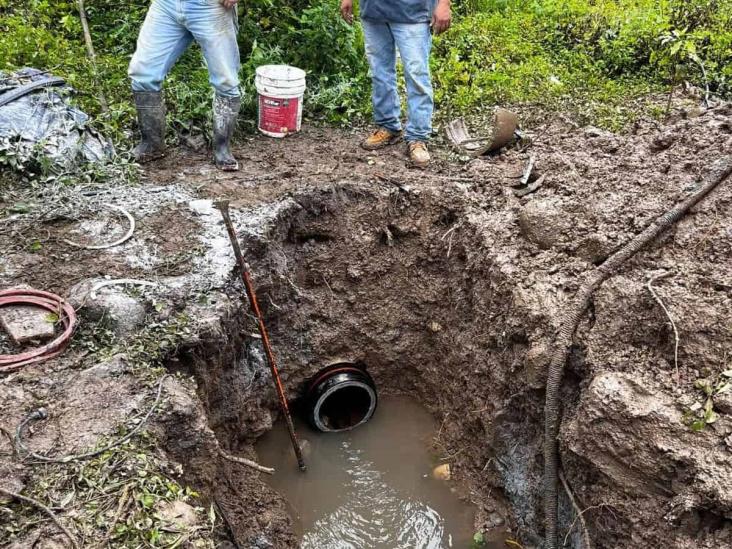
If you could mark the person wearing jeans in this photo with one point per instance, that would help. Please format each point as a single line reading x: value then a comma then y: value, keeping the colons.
x: 406, y: 26
x: 169, y: 28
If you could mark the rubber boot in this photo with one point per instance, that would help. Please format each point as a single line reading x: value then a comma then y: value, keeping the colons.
x: 225, y: 115
x: 151, y: 119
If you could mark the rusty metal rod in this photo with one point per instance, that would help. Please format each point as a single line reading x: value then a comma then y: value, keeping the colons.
x: 223, y: 206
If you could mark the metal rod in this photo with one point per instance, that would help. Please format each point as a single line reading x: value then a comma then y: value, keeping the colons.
x: 223, y: 205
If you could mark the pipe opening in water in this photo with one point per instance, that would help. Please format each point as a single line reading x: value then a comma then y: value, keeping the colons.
x: 340, y: 397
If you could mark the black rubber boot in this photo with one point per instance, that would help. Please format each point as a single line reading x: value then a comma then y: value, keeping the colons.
x: 151, y: 119
x: 225, y: 114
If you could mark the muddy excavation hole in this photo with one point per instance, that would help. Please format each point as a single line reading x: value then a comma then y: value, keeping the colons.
x: 410, y: 453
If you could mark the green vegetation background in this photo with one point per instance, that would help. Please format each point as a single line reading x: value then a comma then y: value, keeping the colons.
x: 592, y: 57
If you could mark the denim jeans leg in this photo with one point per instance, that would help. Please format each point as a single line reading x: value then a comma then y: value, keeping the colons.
x: 381, y: 54
x: 215, y: 27
x: 415, y: 42
x: 162, y: 40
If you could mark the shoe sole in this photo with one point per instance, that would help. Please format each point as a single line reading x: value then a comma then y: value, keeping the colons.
x: 392, y: 141
x: 228, y: 167
x: 147, y: 158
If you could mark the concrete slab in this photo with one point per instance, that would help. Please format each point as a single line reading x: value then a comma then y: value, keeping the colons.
x: 26, y: 323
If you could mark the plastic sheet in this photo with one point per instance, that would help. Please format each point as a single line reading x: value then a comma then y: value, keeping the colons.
x: 41, y: 128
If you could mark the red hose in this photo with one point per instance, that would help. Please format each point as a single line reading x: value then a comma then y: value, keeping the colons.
x: 50, y: 302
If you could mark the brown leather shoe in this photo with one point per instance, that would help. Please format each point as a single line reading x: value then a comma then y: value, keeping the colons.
x: 419, y: 156
x: 381, y: 138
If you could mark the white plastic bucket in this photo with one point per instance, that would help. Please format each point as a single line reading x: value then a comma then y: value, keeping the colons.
x: 280, y: 89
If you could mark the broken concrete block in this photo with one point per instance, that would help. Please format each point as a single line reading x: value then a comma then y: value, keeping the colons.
x: 26, y: 323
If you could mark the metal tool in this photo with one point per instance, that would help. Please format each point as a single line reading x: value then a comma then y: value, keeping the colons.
x: 223, y: 206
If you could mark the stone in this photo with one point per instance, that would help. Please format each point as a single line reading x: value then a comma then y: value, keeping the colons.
x: 723, y: 402
x: 123, y: 313
x: 179, y: 515
x: 543, y: 222
x: 634, y: 433
x: 594, y: 248
x: 442, y: 472
x: 27, y: 323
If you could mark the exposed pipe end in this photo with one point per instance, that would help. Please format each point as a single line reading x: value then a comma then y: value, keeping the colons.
x: 340, y: 397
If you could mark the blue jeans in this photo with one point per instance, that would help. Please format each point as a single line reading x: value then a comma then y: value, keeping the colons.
x: 414, y: 42
x: 169, y: 28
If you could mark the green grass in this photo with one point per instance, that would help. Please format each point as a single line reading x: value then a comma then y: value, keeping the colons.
x: 593, y: 57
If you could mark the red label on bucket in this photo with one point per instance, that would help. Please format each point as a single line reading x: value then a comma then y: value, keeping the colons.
x: 278, y: 115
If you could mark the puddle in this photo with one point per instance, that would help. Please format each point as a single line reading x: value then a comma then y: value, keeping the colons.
x: 370, y: 487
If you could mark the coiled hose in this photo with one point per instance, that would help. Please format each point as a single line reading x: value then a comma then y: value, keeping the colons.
x: 719, y: 171
x: 53, y: 304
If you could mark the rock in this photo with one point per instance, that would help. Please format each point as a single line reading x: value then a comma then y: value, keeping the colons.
x: 24, y: 323
x: 663, y: 141
x: 124, y: 313
x: 435, y: 327
x: 594, y: 248
x: 179, y: 515
x: 442, y: 472
x: 543, y: 222
x: 723, y: 403
x: 634, y: 433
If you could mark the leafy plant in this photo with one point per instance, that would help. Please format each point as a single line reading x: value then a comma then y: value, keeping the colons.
x: 478, y: 541
x: 701, y: 413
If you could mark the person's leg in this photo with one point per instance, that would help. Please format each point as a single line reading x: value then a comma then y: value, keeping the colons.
x: 215, y: 28
x: 381, y: 55
x: 161, y: 42
x: 415, y: 42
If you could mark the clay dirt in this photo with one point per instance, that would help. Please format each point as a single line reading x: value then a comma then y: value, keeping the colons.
x: 445, y: 283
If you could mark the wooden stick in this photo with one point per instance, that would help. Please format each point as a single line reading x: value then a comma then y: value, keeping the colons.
x: 46, y: 510
x: 247, y: 462
x: 92, y: 55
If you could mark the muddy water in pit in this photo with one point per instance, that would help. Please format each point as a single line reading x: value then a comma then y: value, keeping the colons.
x: 370, y: 487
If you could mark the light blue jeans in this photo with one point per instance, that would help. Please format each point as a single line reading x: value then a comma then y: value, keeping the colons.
x: 169, y: 28
x: 414, y: 42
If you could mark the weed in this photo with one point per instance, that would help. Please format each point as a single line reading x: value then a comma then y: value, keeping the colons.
x: 542, y: 51
x: 701, y: 413
x: 117, y: 496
